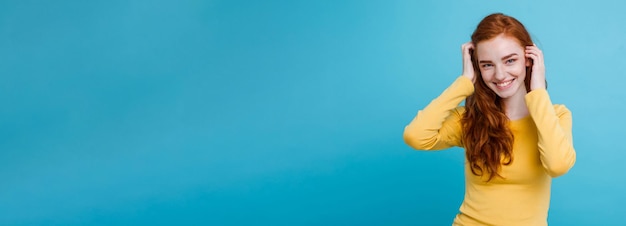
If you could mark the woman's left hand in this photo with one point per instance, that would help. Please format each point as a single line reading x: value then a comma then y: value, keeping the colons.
x: 538, y: 80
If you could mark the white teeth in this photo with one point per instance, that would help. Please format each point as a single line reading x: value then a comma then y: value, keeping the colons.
x: 504, y: 83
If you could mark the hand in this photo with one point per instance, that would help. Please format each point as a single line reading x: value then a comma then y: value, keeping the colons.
x: 538, y: 80
x: 468, y: 67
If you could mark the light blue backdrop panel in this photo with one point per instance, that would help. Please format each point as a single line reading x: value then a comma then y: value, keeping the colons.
x: 276, y: 112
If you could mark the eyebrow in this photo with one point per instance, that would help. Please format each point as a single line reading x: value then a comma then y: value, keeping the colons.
x: 503, y: 58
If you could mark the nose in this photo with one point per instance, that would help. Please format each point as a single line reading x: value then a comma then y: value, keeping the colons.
x: 500, y: 73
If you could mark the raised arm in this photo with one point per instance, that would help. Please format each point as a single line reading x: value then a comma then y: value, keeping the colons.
x: 438, y: 125
x: 554, y: 133
x: 554, y: 123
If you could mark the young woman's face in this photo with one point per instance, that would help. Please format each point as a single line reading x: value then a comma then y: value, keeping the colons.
x: 502, y: 63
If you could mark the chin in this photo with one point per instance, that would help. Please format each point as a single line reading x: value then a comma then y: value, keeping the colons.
x: 504, y: 95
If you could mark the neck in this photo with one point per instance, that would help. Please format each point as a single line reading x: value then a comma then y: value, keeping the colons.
x: 515, y: 106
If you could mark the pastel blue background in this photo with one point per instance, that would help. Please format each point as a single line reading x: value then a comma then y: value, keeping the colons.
x: 154, y: 112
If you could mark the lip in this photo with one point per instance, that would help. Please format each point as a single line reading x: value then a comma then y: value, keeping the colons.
x: 510, y: 83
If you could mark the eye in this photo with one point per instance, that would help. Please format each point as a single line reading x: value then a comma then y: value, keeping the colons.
x: 485, y: 66
x: 510, y: 61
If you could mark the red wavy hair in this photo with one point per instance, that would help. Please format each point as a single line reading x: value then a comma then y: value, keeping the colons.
x: 487, y: 139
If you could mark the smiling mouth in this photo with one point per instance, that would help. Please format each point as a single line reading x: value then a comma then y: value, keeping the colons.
x: 504, y: 84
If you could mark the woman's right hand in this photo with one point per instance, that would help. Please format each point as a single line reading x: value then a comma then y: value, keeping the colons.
x: 468, y: 67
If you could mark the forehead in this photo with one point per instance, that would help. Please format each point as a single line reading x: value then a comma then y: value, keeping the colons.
x: 497, y: 47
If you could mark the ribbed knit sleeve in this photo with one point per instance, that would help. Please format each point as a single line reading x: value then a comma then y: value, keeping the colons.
x: 438, y: 125
x: 554, y: 132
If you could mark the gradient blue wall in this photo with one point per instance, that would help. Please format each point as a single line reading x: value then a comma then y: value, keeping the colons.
x: 276, y: 112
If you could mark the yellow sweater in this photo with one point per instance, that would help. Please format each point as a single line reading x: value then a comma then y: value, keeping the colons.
x: 542, y: 149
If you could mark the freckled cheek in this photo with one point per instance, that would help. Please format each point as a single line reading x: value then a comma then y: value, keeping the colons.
x: 518, y: 70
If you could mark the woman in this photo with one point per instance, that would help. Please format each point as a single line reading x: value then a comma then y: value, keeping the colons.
x: 515, y: 139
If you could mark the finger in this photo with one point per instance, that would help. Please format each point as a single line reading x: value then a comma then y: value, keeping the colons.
x: 466, y: 49
x: 466, y: 46
x: 536, y: 52
x: 531, y: 53
x: 533, y: 46
x: 534, y: 49
x: 534, y: 57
